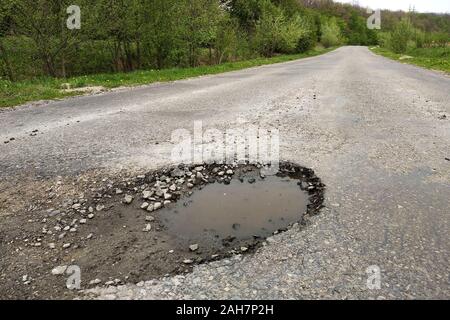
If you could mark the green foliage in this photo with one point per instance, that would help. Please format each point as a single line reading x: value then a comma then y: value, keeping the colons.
x: 331, y: 34
x: 436, y: 58
x: 127, y: 35
x: 401, y: 35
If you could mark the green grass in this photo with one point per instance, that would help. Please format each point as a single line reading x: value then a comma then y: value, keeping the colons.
x: 430, y: 58
x: 17, y: 93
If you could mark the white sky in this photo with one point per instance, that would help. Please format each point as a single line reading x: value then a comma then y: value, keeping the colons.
x: 420, y: 5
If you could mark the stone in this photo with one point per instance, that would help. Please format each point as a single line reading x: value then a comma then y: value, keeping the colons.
x: 57, y: 271
x: 147, y: 194
x: 66, y: 245
x: 128, y: 199
x: 119, y: 191
x: 193, y: 247
x: 188, y: 261
x: 157, y: 205
x: 167, y: 196
x: 91, y: 216
x: 149, y: 218
x: 83, y: 221
x: 230, y: 172
x: 145, y: 205
x: 244, y: 249
x: 148, y: 227
x: 95, y: 282
x: 100, y: 207
x: 177, y: 173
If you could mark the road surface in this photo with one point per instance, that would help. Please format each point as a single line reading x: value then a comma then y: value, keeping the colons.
x: 372, y: 129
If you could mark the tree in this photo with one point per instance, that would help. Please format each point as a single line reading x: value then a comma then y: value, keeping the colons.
x: 331, y: 33
x: 400, y: 36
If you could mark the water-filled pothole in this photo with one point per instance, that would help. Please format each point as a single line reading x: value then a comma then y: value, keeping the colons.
x: 165, y: 221
x: 240, y: 210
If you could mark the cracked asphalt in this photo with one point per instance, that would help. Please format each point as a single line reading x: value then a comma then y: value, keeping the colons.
x: 371, y: 128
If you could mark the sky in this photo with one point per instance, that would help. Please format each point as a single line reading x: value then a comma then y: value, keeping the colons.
x: 420, y: 5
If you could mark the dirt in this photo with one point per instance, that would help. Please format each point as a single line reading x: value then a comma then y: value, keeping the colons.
x: 115, y: 245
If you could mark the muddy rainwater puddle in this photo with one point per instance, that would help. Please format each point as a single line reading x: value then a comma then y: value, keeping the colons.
x: 240, y: 210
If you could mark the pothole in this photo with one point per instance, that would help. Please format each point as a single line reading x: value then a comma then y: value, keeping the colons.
x: 247, y: 208
x: 166, y: 221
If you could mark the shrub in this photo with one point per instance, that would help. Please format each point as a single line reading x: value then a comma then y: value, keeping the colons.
x: 331, y: 34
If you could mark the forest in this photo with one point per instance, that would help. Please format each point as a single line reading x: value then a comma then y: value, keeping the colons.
x: 128, y: 35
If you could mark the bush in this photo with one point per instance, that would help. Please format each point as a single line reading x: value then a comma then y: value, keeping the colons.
x: 331, y: 34
x: 402, y: 34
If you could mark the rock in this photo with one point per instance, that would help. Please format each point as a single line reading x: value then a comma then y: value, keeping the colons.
x: 52, y: 245
x: 148, y: 227
x: 83, y: 221
x: 145, y: 205
x: 90, y: 216
x: 91, y: 210
x: 167, y: 196
x: 57, y: 271
x: 167, y: 202
x: 76, y: 206
x: 100, y: 207
x: 244, y: 249
x: 66, y: 245
x: 128, y: 199
x: 173, y: 187
x: 188, y: 261
x: 119, y: 191
x: 147, y: 194
x: 199, y: 168
x: 190, y: 185
x: 221, y: 173
x: 157, y: 206
x: 89, y: 236
x: 199, y: 175
x: 149, y: 218
x: 151, y: 208
x: 193, y: 247
x: 230, y: 172
x: 95, y: 282
x: 177, y: 173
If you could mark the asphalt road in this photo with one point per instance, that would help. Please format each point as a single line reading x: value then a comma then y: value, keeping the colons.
x: 370, y: 128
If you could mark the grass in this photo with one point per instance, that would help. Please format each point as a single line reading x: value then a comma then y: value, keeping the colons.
x: 17, y: 93
x: 430, y: 58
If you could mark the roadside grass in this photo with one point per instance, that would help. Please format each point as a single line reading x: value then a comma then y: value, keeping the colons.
x: 430, y: 58
x: 17, y: 93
